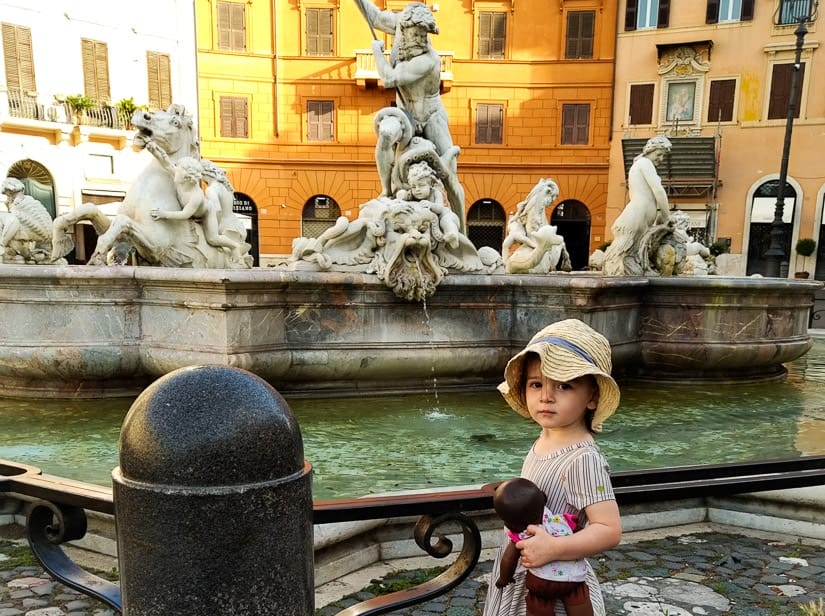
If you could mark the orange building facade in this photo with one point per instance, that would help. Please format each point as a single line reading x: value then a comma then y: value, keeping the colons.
x: 288, y: 93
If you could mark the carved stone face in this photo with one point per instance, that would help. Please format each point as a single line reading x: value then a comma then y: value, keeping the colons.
x: 421, y: 187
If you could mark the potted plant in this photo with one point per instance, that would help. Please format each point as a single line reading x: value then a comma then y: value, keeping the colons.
x: 805, y: 247
x: 126, y: 108
x: 79, y: 104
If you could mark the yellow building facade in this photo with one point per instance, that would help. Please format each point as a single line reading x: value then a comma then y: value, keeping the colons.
x: 288, y: 93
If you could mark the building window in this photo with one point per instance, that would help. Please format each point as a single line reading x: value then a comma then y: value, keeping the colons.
x: 721, y: 99
x: 780, y: 95
x: 575, y: 124
x: 791, y: 11
x: 234, y: 116
x: 492, y: 34
x: 319, y: 32
x: 486, y: 222
x: 17, y: 52
x: 160, y: 79
x: 729, y: 10
x: 640, y: 14
x: 489, y: 120
x: 95, y: 69
x: 231, y: 26
x: 320, y: 125
x: 641, y: 104
x: 318, y: 214
x: 580, y: 28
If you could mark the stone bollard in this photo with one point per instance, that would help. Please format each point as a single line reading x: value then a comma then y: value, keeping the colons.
x: 213, y: 499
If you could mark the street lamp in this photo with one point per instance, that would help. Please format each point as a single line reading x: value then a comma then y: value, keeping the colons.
x: 801, y: 12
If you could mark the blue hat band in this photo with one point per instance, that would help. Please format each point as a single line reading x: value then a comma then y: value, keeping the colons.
x: 566, y: 344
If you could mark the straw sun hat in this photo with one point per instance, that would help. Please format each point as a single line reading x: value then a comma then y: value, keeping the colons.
x: 568, y: 349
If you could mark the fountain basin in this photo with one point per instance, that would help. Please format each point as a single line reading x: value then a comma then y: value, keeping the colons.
x: 82, y: 331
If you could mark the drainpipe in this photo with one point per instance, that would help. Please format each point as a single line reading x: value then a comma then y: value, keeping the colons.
x: 275, y: 67
x: 615, y: 54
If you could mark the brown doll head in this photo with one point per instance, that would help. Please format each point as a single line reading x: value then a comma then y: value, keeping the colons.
x: 519, y: 502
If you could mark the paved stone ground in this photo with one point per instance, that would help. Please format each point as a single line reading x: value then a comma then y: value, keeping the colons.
x: 698, y: 574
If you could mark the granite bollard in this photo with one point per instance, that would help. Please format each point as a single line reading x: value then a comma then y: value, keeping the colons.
x: 213, y: 499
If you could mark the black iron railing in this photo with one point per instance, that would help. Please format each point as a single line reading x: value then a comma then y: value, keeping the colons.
x: 58, y: 515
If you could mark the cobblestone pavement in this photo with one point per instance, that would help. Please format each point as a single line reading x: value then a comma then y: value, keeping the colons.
x: 702, y: 573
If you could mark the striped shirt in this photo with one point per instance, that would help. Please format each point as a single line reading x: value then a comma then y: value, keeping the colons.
x: 572, y: 478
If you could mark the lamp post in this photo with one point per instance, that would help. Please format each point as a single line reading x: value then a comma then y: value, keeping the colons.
x: 802, y: 11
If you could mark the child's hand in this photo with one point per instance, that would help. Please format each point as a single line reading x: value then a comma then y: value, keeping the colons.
x: 501, y: 582
x: 536, y: 550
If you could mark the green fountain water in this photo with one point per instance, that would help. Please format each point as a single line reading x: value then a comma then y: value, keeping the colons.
x: 368, y: 445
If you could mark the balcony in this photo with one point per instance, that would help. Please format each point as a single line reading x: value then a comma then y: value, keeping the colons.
x: 28, y: 105
x: 365, y: 70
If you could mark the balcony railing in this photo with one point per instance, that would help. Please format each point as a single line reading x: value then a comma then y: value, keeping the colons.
x: 31, y: 106
x: 365, y: 67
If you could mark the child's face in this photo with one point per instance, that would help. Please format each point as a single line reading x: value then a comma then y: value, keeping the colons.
x: 557, y: 405
x: 420, y: 188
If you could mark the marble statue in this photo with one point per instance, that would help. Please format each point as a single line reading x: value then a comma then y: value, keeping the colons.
x: 26, y: 229
x: 414, y: 70
x: 532, y: 245
x: 648, y: 207
x: 668, y: 250
x: 409, y: 241
x: 152, y: 220
x: 673, y: 252
x: 187, y: 174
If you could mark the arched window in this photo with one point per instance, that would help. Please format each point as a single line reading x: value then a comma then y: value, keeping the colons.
x: 319, y: 214
x: 486, y: 221
x: 763, y: 209
x: 37, y: 180
x: 572, y: 221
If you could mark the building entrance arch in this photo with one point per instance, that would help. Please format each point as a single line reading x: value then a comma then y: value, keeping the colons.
x: 572, y: 221
x: 762, y: 208
x: 244, y: 208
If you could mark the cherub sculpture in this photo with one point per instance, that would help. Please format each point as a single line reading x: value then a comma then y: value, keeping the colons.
x: 187, y: 174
